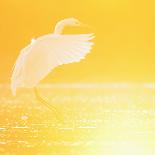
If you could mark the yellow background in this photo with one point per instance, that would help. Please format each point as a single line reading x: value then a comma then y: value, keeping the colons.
x: 124, y: 45
x: 113, y: 121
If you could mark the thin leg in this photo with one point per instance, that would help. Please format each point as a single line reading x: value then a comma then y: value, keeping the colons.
x: 45, y: 103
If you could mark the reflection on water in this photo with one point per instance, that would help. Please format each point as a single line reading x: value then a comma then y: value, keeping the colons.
x: 99, y: 119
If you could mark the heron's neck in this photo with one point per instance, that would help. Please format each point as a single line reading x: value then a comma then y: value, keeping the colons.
x: 59, y: 27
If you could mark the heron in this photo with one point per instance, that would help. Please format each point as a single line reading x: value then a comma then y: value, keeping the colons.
x: 47, y: 52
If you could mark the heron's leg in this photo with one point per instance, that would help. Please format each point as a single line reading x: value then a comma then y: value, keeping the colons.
x: 45, y: 103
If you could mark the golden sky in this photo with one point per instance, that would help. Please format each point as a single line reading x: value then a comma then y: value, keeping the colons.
x: 124, y: 45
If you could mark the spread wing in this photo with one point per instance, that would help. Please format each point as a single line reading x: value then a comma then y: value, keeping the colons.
x: 46, y: 53
x: 18, y: 67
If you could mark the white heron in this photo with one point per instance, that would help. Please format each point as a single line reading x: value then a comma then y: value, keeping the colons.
x: 45, y: 53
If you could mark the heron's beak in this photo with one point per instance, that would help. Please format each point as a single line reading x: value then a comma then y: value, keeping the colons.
x: 85, y: 25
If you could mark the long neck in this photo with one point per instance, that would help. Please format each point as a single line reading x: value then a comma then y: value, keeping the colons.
x: 59, y: 27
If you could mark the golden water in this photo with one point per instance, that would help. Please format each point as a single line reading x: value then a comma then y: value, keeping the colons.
x: 98, y: 119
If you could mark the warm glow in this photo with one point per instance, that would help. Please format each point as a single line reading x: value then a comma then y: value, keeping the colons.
x: 129, y: 148
x: 107, y: 100
x: 124, y: 43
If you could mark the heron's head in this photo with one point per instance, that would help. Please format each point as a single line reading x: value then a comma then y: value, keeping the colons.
x: 67, y: 22
x: 71, y: 22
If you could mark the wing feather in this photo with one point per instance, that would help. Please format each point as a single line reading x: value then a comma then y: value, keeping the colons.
x: 46, y: 53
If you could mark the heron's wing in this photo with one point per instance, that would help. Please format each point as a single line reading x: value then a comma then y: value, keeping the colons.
x: 18, y: 67
x: 62, y: 49
x: 49, y: 52
x: 20, y: 60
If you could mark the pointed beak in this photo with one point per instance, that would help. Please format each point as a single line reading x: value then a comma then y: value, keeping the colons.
x: 85, y: 25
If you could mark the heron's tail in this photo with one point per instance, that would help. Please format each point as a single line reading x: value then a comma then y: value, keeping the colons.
x: 45, y: 103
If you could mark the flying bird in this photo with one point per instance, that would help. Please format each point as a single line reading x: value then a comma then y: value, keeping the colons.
x: 46, y: 52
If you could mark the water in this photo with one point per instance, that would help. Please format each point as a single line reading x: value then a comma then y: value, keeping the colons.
x: 98, y: 119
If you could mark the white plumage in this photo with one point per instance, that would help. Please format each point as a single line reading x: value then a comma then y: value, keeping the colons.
x: 47, y: 52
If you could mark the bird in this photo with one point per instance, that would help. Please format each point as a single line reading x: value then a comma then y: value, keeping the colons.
x: 47, y: 52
